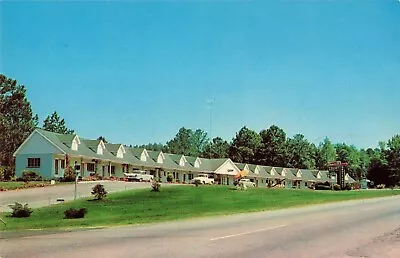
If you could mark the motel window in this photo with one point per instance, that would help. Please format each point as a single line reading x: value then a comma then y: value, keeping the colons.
x: 305, y: 184
x: 33, y: 163
x: 90, y: 167
x: 165, y: 173
x: 62, y: 163
x: 190, y: 176
x: 112, y: 169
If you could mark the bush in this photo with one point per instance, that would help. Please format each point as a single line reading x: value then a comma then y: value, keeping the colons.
x: 347, y: 187
x: 155, y: 186
x: 6, y: 173
x: 69, y: 174
x: 20, y: 211
x: 75, y: 213
x: 99, y: 192
x: 337, y: 187
x: 197, y: 182
x: 169, y: 178
x: 31, y: 176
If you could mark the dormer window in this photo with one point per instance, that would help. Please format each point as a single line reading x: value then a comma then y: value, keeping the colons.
x: 319, y: 175
x: 143, y: 156
x: 75, y: 143
x: 160, y: 158
x: 182, y: 161
x: 100, y: 148
x: 257, y: 170
x: 273, y: 172
x: 284, y: 173
x: 197, y: 163
x: 298, y: 174
x: 120, y: 152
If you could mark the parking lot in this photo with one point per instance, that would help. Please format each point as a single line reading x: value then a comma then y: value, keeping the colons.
x: 42, y: 196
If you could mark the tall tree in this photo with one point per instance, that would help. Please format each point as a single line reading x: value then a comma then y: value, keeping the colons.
x: 378, y: 169
x: 351, y: 155
x: 188, y: 142
x: 216, y: 149
x: 101, y: 138
x: 17, y: 121
x: 393, y: 159
x: 152, y: 146
x: 54, y: 123
x: 301, y: 152
x: 326, y: 153
x: 244, y: 145
x: 273, y: 148
x: 198, y: 142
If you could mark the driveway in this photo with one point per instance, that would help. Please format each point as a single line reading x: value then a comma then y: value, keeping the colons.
x: 42, y: 196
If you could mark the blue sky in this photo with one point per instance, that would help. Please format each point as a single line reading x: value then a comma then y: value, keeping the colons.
x: 135, y: 72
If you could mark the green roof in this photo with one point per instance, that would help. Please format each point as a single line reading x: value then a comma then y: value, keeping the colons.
x: 88, y: 149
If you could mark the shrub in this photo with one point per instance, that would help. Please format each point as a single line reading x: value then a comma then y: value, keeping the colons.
x: 6, y: 173
x: 337, y: 187
x: 75, y: 213
x: 155, y: 186
x: 69, y: 174
x: 347, y: 187
x: 31, y: 176
x: 20, y: 211
x: 197, y: 182
x: 99, y: 192
x: 169, y: 178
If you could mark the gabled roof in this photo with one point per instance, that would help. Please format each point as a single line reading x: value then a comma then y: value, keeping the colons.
x: 307, y: 175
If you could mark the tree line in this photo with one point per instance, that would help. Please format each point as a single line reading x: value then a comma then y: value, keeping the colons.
x: 270, y: 147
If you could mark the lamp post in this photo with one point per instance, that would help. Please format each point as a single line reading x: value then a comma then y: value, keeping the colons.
x: 210, y: 104
x: 77, y: 170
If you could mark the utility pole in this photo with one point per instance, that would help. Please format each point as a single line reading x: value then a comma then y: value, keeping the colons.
x: 210, y: 103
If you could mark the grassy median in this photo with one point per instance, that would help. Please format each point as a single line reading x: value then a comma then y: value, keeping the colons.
x: 144, y: 206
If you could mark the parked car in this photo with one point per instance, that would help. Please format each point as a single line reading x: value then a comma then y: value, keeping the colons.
x: 204, y: 179
x: 138, y: 176
x: 247, y: 182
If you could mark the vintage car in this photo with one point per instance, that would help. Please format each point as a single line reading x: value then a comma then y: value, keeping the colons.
x: 138, y: 176
x: 203, y: 179
x: 246, y: 182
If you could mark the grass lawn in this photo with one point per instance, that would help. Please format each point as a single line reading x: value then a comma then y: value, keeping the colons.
x: 144, y: 206
x: 13, y: 185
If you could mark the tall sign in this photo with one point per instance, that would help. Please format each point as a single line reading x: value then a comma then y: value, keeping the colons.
x: 338, y: 167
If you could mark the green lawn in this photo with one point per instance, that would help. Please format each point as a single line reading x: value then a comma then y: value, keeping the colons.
x: 178, y: 202
x: 13, y: 185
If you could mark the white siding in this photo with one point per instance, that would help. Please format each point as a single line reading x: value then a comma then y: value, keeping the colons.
x: 228, y: 168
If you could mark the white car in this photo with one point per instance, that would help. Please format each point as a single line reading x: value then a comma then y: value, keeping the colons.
x: 247, y: 182
x: 138, y: 176
x: 204, y: 179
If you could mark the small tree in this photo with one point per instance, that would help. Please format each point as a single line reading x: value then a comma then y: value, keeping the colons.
x: 99, y: 192
x: 155, y: 186
x: 69, y: 174
x: 169, y: 178
x: 20, y: 211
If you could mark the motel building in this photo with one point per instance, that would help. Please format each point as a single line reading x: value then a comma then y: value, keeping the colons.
x: 49, y: 153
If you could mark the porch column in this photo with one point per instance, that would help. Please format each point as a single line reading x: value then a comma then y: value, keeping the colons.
x: 82, y: 167
x: 109, y: 168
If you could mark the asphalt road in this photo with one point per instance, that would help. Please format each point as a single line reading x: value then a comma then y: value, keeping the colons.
x: 364, y: 228
x: 42, y: 196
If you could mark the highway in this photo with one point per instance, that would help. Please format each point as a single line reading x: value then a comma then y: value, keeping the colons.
x: 362, y: 228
